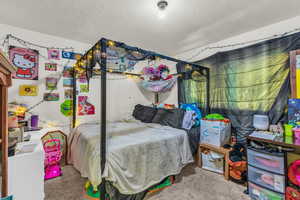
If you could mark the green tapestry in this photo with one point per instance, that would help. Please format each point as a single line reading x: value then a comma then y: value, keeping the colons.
x: 247, y: 81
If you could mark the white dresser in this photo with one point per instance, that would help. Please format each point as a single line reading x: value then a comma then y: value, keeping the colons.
x: 26, y: 170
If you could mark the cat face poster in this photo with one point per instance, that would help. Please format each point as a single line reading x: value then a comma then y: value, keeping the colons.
x: 26, y: 61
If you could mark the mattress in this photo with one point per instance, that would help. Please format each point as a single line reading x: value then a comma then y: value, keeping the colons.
x: 139, y: 155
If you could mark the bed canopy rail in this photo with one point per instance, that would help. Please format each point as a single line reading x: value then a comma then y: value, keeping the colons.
x: 87, y: 66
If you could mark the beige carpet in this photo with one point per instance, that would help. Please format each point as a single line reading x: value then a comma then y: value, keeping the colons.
x: 193, y: 184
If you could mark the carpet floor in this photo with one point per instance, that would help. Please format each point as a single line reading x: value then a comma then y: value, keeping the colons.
x: 192, y: 184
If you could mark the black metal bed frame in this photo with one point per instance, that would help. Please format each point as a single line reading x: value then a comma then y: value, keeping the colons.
x: 97, y: 55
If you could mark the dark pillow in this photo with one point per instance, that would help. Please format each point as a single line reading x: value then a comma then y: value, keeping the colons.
x: 169, y: 117
x: 144, y: 113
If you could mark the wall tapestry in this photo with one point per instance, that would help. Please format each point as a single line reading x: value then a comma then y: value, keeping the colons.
x: 50, y: 66
x: 68, y: 72
x: 53, y: 54
x: 70, y: 55
x: 68, y: 93
x: 84, y: 107
x: 84, y: 88
x: 68, y: 82
x: 51, y: 83
x: 66, y: 108
x: 51, y: 97
x: 28, y: 90
x: 26, y: 61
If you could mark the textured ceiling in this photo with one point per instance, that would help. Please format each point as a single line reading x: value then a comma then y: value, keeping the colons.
x: 139, y: 23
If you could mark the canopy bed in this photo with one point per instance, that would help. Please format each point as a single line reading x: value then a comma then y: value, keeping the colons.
x: 6, y: 69
x: 126, y: 138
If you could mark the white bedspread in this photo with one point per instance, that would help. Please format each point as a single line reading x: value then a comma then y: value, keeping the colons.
x: 139, y: 155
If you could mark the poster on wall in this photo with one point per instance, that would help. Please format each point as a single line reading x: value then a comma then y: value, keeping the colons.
x: 68, y: 72
x: 51, y: 97
x: 68, y: 93
x: 84, y: 107
x: 28, y: 90
x: 53, y: 54
x: 84, y: 88
x: 82, y: 80
x: 70, y: 55
x: 51, y: 83
x: 293, y: 110
x: 66, y: 108
x: 26, y: 61
x: 68, y: 82
x: 50, y: 66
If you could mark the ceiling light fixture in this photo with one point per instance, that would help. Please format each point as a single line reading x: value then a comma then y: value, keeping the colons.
x: 162, y: 4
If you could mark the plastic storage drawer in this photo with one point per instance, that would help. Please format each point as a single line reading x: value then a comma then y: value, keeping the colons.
x: 267, y: 161
x: 266, y: 179
x: 259, y: 193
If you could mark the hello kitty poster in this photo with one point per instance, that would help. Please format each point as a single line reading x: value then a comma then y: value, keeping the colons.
x: 26, y: 61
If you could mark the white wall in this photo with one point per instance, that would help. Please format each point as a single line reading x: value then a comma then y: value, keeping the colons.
x: 267, y: 31
x: 122, y: 94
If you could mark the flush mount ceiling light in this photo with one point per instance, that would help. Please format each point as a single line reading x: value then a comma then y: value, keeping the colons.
x: 162, y: 4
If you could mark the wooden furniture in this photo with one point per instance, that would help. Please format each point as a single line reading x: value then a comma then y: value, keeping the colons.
x: 221, y: 150
x: 6, y: 69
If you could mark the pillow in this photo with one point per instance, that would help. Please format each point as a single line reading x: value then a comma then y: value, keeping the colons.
x: 144, y: 113
x: 169, y: 117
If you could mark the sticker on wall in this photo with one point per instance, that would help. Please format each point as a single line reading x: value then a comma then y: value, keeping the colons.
x: 84, y: 107
x: 53, y: 54
x: 50, y: 66
x: 51, y: 83
x: 68, y: 82
x: 26, y: 61
x: 68, y: 72
x: 66, y: 108
x: 68, y: 93
x: 82, y: 80
x: 28, y: 90
x: 51, y: 96
x: 84, y: 88
x: 70, y: 55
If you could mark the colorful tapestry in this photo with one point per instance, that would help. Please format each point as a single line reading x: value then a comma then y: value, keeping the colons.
x: 26, y: 61
x: 248, y: 81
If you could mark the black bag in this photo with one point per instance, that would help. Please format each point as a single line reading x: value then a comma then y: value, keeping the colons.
x: 144, y: 113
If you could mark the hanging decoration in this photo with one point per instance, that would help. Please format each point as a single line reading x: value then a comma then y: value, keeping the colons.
x: 26, y: 61
x: 51, y: 96
x: 51, y: 83
x: 28, y: 90
x: 53, y: 54
x: 157, y: 79
x: 84, y: 88
x: 68, y: 82
x: 50, y: 66
x: 68, y: 93
x: 117, y: 59
x: 66, y: 108
x: 84, y: 107
x: 70, y: 55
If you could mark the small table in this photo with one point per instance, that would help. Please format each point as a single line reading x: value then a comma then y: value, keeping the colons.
x: 217, y: 149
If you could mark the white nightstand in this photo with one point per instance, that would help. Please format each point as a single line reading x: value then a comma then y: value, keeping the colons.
x: 26, y: 170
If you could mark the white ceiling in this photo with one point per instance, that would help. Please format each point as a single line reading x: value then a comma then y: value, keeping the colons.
x: 139, y: 23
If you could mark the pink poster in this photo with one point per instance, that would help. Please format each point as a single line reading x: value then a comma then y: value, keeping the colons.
x: 84, y: 107
x: 53, y: 54
x: 26, y: 61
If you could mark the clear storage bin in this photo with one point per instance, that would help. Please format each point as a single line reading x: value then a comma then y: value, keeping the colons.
x: 266, y: 179
x: 266, y: 161
x: 259, y: 193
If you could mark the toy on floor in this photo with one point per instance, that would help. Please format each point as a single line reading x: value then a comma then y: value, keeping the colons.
x: 53, y: 155
x: 294, y: 172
